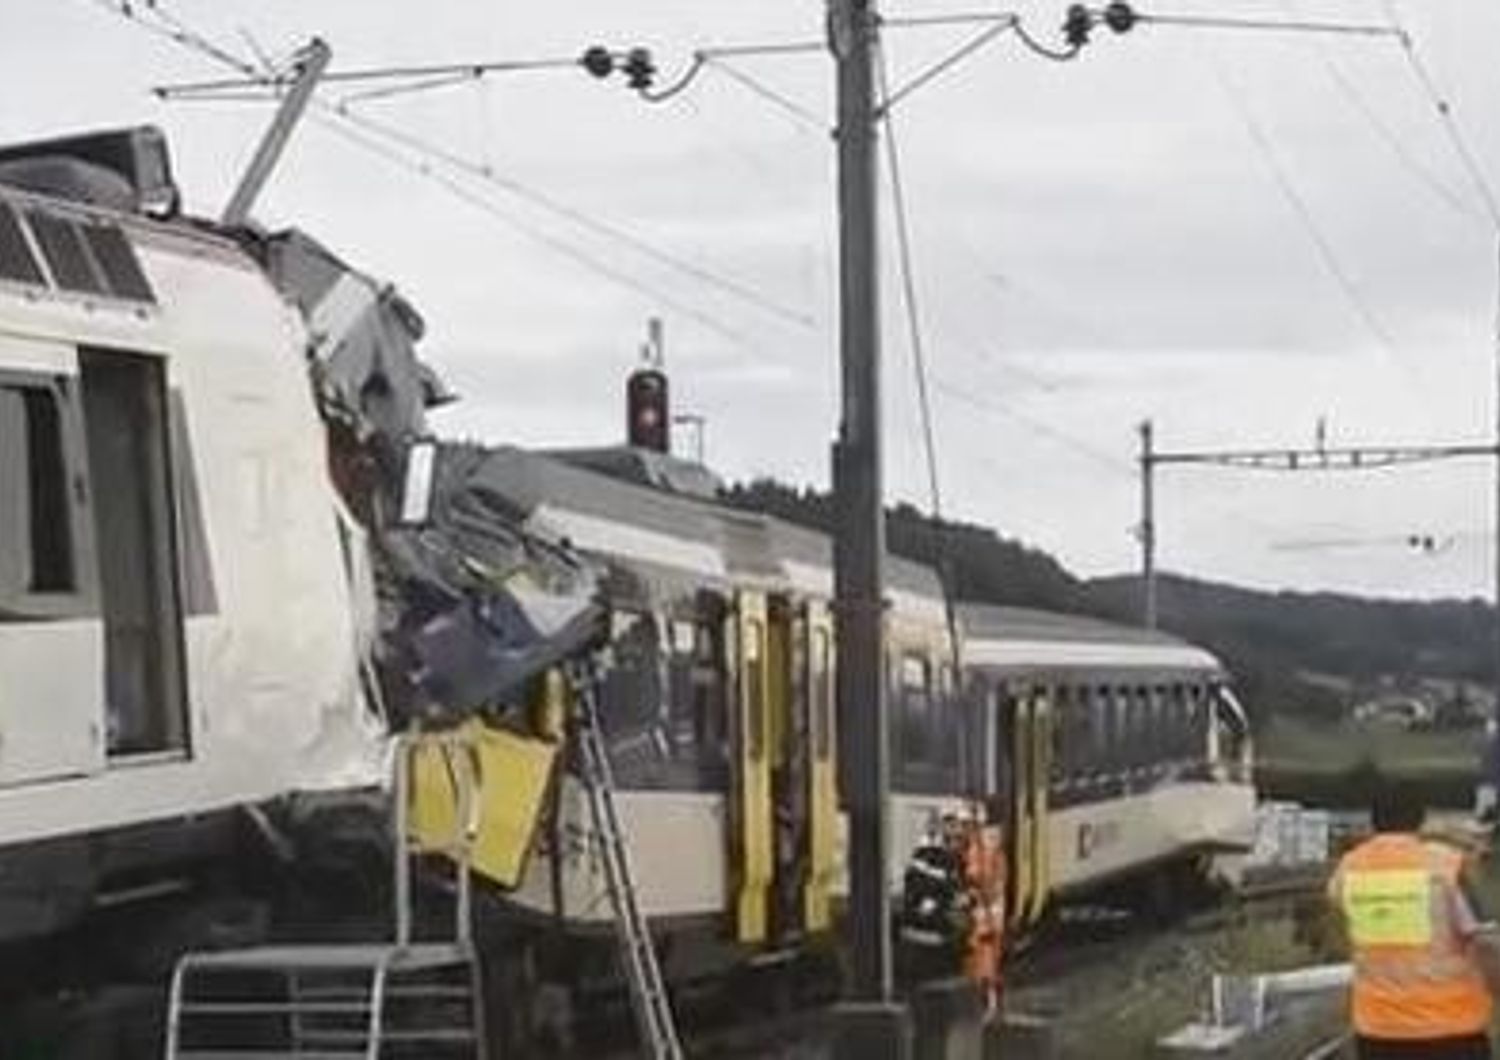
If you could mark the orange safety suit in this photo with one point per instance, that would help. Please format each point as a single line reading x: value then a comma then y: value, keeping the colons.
x: 984, y: 878
x: 1409, y: 928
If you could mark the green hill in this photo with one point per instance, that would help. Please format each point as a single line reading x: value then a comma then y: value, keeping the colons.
x: 1293, y: 653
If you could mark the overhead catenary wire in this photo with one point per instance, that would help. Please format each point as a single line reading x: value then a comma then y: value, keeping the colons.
x: 328, y: 116
x: 1388, y: 135
x: 1449, y: 121
x: 1342, y: 29
x: 803, y: 115
x: 910, y: 304
x: 486, y: 173
x: 551, y: 204
x: 1323, y: 246
x: 918, y: 349
x: 486, y: 205
x: 1403, y: 154
x: 180, y: 33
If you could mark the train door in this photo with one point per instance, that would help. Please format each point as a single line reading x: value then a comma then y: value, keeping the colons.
x: 803, y: 797
x: 822, y: 789
x: 125, y: 416
x: 750, y: 820
x: 1026, y: 744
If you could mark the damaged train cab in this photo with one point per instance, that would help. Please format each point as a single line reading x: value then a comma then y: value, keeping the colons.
x: 165, y: 508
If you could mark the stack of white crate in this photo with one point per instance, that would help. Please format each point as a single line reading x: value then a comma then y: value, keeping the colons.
x: 1287, y: 834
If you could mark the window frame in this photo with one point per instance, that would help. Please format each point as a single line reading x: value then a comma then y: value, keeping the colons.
x: 20, y: 602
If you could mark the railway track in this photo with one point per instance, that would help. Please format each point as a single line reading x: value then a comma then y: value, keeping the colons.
x: 1083, y: 940
x: 1087, y: 935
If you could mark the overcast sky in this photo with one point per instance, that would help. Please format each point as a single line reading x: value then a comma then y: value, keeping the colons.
x: 1233, y: 234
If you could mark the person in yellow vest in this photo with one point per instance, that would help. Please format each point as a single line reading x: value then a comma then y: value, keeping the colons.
x: 1419, y: 985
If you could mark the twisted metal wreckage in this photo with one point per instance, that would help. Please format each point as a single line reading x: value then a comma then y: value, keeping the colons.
x: 476, y: 599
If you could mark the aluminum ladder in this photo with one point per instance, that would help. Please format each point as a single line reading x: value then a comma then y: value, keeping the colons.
x: 648, y: 993
x: 406, y: 998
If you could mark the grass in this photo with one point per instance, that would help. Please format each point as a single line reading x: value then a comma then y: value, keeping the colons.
x: 1323, y: 765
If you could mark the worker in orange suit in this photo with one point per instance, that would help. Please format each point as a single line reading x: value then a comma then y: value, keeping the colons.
x: 984, y: 879
x: 1421, y: 956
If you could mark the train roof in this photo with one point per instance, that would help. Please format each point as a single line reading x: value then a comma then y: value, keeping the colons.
x: 659, y: 528
x: 1016, y: 637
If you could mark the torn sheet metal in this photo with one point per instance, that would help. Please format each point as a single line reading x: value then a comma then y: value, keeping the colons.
x: 473, y: 604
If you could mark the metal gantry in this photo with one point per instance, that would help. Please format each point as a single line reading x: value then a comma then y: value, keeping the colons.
x: 1295, y: 459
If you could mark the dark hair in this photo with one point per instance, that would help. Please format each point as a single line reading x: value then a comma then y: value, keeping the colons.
x: 1396, y: 807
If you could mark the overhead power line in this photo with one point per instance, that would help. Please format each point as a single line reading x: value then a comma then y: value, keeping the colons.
x: 1449, y: 121
x: 1403, y: 154
x: 553, y: 205
x: 909, y: 291
x: 1260, y: 138
x: 175, y: 30
x: 780, y: 100
x: 423, y: 170
x: 332, y: 119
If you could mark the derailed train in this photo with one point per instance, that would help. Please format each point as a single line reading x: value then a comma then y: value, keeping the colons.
x: 218, y: 604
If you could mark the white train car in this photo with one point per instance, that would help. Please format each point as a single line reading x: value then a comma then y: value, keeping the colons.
x: 176, y: 614
x: 1120, y: 751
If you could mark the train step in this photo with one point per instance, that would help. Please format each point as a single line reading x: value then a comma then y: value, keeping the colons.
x: 370, y: 1002
x: 404, y: 999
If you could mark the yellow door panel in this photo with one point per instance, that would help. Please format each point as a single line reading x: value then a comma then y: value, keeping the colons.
x: 752, y: 841
x: 512, y: 774
x: 823, y: 792
x: 1041, y: 775
x: 1023, y: 827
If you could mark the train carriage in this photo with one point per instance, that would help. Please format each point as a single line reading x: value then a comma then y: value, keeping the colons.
x: 1118, y: 751
x: 1111, y: 751
x: 164, y: 506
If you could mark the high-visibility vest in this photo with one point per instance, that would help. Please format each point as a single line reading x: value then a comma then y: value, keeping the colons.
x: 1413, y: 976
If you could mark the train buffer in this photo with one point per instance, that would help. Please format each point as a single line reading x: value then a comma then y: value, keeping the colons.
x: 404, y: 998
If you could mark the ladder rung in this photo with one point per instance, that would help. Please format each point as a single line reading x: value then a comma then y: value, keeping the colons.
x: 435, y: 1035
x: 394, y: 989
x: 289, y: 1008
x: 276, y: 1054
x: 410, y: 1034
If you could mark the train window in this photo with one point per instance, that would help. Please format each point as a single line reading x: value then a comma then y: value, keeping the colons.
x: 1183, y: 747
x: 1106, y: 730
x: 36, y: 490
x: 820, y: 691
x: 1143, y: 734
x: 1161, y: 725
x: 919, y: 730
x: 632, y: 693
x: 1198, y: 722
x: 1077, y: 725
x: 47, y: 472
x: 1062, y: 705
x: 755, y: 688
x: 117, y: 262
x: 67, y: 255
x: 125, y: 420
x: 16, y: 261
x: 681, y: 697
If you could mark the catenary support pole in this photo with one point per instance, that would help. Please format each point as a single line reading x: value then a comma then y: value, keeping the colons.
x: 871, y: 1024
x: 1148, y: 526
x: 1495, y: 710
x: 311, y: 62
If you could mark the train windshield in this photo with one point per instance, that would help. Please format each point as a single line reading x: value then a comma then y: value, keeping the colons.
x: 1230, y: 735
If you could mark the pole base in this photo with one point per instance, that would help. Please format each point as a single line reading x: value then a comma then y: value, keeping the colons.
x: 871, y: 1030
